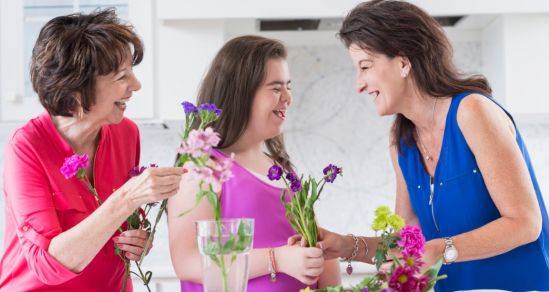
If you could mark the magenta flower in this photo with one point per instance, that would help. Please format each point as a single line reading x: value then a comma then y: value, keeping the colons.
x: 412, y: 241
x: 330, y: 172
x: 403, y: 279
x: 73, y: 164
x: 275, y: 172
x: 200, y: 142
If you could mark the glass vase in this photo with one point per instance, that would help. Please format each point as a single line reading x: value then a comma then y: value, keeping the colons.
x: 225, y: 246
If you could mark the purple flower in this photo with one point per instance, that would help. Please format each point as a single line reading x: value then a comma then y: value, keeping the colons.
x: 137, y: 170
x: 295, y: 184
x: 364, y: 290
x: 73, y: 164
x: 189, y: 107
x: 275, y: 172
x: 210, y: 107
x: 412, y: 241
x: 330, y: 172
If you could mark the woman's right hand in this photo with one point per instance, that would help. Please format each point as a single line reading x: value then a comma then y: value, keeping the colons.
x: 303, y: 263
x: 333, y: 245
x: 154, y: 184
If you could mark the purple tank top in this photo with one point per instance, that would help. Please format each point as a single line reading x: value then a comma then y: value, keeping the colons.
x: 246, y: 196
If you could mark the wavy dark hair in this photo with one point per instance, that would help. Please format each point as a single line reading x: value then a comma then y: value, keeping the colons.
x: 234, y: 76
x: 72, y: 50
x: 397, y: 28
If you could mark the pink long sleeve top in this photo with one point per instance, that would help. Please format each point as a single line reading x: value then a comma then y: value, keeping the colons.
x: 40, y: 204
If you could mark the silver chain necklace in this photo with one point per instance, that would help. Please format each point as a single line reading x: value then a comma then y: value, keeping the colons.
x: 428, y: 156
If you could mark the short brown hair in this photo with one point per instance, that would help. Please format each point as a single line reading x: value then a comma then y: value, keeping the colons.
x: 397, y: 28
x: 72, y: 50
x: 235, y: 75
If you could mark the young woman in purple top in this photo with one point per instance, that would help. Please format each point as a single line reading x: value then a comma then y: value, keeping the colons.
x: 249, y: 80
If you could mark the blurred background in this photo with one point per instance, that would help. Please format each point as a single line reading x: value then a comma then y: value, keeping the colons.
x: 328, y: 121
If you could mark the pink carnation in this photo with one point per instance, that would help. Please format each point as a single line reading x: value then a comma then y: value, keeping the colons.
x: 200, y: 142
x: 412, y: 241
x: 73, y: 163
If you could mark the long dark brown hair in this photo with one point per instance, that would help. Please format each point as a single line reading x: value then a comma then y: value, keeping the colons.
x: 397, y: 28
x: 235, y: 75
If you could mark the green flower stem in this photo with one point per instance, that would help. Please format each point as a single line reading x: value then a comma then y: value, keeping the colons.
x: 153, y: 231
x: 142, y: 276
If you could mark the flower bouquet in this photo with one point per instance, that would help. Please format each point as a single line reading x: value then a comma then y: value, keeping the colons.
x: 405, y: 273
x: 74, y: 166
x: 299, y: 210
x: 224, y: 244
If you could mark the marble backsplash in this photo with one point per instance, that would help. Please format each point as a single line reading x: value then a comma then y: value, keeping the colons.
x: 328, y: 123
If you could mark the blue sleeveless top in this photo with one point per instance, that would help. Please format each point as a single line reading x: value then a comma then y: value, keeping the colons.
x: 461, y: 203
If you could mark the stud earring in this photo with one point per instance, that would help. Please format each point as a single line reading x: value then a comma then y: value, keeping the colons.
x: 404, y: 74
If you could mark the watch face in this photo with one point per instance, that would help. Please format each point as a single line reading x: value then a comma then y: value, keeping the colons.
x: 450, y: 254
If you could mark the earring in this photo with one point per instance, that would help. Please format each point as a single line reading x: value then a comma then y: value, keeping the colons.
x: 404, y: 74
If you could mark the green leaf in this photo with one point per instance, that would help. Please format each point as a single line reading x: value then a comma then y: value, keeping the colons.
x: 133, y: 221
x: 380, y: 258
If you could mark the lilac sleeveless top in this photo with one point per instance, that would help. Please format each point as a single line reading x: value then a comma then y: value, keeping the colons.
x: 246, y: 196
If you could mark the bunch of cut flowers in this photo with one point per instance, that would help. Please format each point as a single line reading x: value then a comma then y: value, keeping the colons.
x: 405, y: 273
x: 300, y: 196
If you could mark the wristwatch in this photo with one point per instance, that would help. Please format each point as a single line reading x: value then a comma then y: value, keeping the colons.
x: 450, y: 253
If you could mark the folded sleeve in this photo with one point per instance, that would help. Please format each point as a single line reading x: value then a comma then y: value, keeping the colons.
x: 30, y: 204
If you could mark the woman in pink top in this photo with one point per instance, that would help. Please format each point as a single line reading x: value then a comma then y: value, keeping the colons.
x: 249, y: 80
x: 57, y: 237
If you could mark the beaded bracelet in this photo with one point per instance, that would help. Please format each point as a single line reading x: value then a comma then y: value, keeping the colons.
x: 272, y: 265
x: 353, y: 255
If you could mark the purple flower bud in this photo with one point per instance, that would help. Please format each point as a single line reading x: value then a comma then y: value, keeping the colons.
x: 210, y: 107
x: 189, y: 107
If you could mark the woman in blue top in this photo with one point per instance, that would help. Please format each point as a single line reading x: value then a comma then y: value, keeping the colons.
x: 463, y: 172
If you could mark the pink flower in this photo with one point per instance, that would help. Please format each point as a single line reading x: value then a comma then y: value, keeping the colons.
x: 413, y: 262
x: 214, y: 174
x: 423, y: 282
x: 73, y: 164
x: 200, y: 142
x: 222, y: 169
x: 412, y: 242
x: 403, y: 279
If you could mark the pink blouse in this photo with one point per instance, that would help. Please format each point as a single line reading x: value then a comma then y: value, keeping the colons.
x: 40, y: 204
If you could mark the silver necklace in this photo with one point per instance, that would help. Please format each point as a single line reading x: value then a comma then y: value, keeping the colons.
x: 428, y: 156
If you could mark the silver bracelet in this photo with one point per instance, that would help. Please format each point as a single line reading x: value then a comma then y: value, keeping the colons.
x: 353, y: 255
x: 365, y: 247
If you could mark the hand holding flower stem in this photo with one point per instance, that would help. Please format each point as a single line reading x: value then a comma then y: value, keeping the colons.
x: 75, y: 165
x: 300, y: 210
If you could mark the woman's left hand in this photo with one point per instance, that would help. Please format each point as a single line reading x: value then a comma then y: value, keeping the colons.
x: 133, y: 243
x: 433, y: 252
